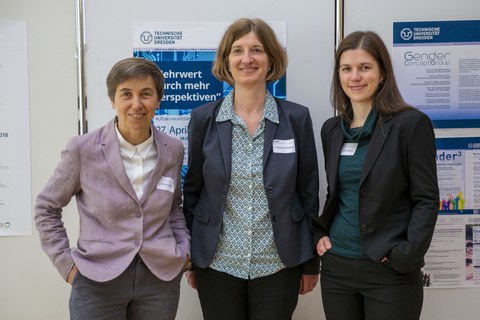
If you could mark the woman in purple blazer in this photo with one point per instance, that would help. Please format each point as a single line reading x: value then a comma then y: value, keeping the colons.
x: 125, y: 176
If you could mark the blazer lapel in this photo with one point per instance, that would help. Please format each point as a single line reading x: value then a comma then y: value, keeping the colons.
x: 163, y: 154
x: 379, y: 137
x: 225, y: 136
x: 270, y: 130
x: 111, y: 152
x: 337, y: 143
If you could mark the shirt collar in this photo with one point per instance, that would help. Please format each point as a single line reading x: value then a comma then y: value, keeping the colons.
x: 227, y: 112
x: 129, y: 149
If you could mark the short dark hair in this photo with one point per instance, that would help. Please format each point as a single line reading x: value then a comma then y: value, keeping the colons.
x: 274, y: 50
x: 134, y: 68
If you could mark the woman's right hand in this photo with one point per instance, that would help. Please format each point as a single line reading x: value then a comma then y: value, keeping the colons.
x: 323, y: 245
x: 191, y: 279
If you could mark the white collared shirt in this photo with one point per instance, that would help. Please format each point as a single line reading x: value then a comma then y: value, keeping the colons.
x: 138, y: 161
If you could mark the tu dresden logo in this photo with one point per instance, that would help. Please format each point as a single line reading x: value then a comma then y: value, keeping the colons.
x: 146, y: 37
x: 406, y: 33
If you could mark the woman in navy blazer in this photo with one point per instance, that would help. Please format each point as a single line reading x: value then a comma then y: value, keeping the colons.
x: 382, y: 200
x: 251, y: 190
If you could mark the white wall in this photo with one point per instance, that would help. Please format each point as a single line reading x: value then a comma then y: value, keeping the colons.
x: 30, y: 287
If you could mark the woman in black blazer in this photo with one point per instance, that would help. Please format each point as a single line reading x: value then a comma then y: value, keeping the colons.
x: 251, y: 189
x: 382, y: 196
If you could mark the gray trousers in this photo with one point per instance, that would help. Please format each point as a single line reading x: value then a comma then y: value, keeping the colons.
x: 136, y: 294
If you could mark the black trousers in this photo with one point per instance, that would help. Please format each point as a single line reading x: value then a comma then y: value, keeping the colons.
x: 368, y: 290
x: 223, y: 296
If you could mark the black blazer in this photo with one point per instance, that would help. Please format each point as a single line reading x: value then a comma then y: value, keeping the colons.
x: 290, y: 180
x: 399, y: 200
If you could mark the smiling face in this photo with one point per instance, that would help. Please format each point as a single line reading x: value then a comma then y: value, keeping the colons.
x: 248, y: 61
x: 360, y: 76
x: 135, y: 103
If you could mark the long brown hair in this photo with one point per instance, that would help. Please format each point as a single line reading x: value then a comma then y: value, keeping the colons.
x: 387, y: 100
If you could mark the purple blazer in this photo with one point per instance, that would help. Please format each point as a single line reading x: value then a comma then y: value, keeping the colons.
x: 114, y: 224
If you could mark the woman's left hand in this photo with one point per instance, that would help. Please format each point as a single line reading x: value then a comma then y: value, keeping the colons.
x: 308, y: 283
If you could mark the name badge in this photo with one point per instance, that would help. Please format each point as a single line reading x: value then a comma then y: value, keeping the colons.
x: 167, y: 184
x: 284, y: 146
x: 348, y: 149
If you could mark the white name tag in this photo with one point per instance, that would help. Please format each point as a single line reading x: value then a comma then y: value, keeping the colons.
x: 348, y: 149
x: 166, y: 183
x: 284, y: 146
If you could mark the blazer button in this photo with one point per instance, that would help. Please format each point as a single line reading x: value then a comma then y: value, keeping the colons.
x: 363, y: 227
x: 270, y: 190
x: 363, y: 192
x: 136, y: 243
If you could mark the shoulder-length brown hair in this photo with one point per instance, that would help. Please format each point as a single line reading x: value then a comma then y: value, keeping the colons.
x: 274, y: 50
x: 387, y: 100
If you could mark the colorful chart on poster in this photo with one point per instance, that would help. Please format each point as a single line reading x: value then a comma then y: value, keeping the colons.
x: 453, y: 259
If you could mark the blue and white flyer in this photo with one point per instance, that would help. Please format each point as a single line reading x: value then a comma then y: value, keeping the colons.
x: 185, y: 52
x: 453, y: 259
x: 437, y: 66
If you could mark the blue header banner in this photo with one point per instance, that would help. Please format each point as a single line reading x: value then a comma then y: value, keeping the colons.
x: 453, y: 32
x: 469, y: 143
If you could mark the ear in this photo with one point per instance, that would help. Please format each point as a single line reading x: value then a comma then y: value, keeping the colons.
x: 381, y: 81
x: 382, y: 78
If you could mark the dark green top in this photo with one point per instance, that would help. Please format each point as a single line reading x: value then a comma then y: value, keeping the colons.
x: 345, y: 231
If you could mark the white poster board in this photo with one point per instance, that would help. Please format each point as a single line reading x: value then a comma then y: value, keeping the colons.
x: 15, y: 174
x: 437, y: 65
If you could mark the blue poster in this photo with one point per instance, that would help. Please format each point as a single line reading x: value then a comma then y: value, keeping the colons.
x: 185, y: 51
x: 437, y: 65
x: 458, y: 167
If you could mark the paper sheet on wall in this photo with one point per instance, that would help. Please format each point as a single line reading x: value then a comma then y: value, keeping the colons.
x: 15, y: 174
x: 453, y: 259
x: 437, y: 66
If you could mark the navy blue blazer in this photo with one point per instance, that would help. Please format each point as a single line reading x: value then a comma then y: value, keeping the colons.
x: 290, y: 180
x: 398, y: 200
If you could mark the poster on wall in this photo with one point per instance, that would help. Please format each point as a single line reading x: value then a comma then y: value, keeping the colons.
x: 185, y: 51
x: 453, y: 259
x: 437, y: 66
x: 15, y: 174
